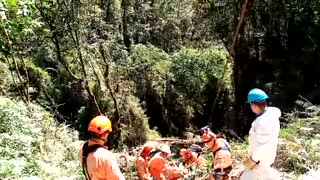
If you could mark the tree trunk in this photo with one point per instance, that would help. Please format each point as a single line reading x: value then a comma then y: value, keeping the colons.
x: 116, y: 116
x: 126, y: 38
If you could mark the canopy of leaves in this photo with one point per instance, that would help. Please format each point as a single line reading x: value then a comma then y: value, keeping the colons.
x: 157, y: 63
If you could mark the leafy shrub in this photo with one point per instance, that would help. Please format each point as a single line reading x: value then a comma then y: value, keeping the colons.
x: 297, y: 150
x: 134, y: 122
x: 33, y: 145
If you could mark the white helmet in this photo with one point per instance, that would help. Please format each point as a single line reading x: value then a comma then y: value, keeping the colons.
x: 165, y: 148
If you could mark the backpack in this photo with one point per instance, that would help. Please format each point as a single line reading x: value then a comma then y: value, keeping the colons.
x: 86, y: 150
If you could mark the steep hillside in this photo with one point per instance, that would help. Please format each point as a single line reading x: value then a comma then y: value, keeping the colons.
x: 34, y: 146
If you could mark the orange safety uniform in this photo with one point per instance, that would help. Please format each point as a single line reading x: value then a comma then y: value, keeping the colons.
x: 222, y: 155
x: 101, y: 164
x: 142, y: 162
x: 97, y: 161
x: 142, y: 166
x: 190, y: 157
x: 161, y: 170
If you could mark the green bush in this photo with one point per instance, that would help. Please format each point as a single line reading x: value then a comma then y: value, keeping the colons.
x: 194, y: 69
x: 134, y: 123
x: 34, y: 145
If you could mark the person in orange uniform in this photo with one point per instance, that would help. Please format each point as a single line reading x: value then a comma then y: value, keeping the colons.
x: 142, y: 162
x: 190, y: 157
x: 98, y: 162
x: 160, y: 168
x: 222, y: 155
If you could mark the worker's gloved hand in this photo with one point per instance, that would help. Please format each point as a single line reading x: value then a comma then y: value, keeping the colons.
x: 249, y: 163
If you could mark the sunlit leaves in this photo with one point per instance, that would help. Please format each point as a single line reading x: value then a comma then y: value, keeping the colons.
x: 19, y: 22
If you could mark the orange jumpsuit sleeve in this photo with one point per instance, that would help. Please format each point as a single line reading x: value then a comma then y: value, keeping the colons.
x: 185, y: 160
x: 142, y: 168
x: 173, y: 172
x: 195, y: 159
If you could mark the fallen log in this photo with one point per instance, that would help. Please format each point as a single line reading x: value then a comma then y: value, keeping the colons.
x: 177, y: 141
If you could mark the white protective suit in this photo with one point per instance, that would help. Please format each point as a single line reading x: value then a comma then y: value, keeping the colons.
x: 263, y: 142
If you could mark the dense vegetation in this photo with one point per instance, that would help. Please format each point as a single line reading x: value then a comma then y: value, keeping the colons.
x: 35, y: 146
x: 157, y: 64
x: 155, y: 67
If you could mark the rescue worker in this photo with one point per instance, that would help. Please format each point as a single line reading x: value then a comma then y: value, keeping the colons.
x: 142, y: 162
x: 222, y: 164
x: 160, y: 168
x: 263, y: 138
x: 190, y: 158
x: 97, y: 161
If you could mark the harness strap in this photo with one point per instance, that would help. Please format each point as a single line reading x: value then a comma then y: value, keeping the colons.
x: 221, y: 148
x: 225, y: 147
x: 86, y: 150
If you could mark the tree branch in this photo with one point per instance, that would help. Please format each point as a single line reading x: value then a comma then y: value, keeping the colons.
x: 55, y: 41
x: 24, y: 92
x: 116, y: 117
x: 234, y: 40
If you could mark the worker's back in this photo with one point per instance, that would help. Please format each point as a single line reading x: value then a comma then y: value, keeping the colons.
x: 157, y: 166
x: 102, y: 165
x: 264, y: 135
x: 222, y: 152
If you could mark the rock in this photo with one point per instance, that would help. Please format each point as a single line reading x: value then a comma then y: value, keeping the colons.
x: 306, y: 129
x: 315, y: 142
x: 311, y: 175
x: 282, y: 141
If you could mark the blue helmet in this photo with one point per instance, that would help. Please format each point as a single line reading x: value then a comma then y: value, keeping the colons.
x: 257, y: 95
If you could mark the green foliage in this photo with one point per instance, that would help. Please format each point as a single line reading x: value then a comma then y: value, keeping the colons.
x: 56, y: 47
x: 298, y: 157
x: 19, y: 22
x: 298, y: 150
x: 33, y: 145
x: 293, y: 129
x: 163, y: 61
x: 195, y: 69
x: 153, y: 133
x: 134, y: 123
x: 38, y: 77
x: 239, y: 148
x: 147, y: 64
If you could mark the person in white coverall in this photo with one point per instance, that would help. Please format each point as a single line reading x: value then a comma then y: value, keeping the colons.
x: 263, y: 138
